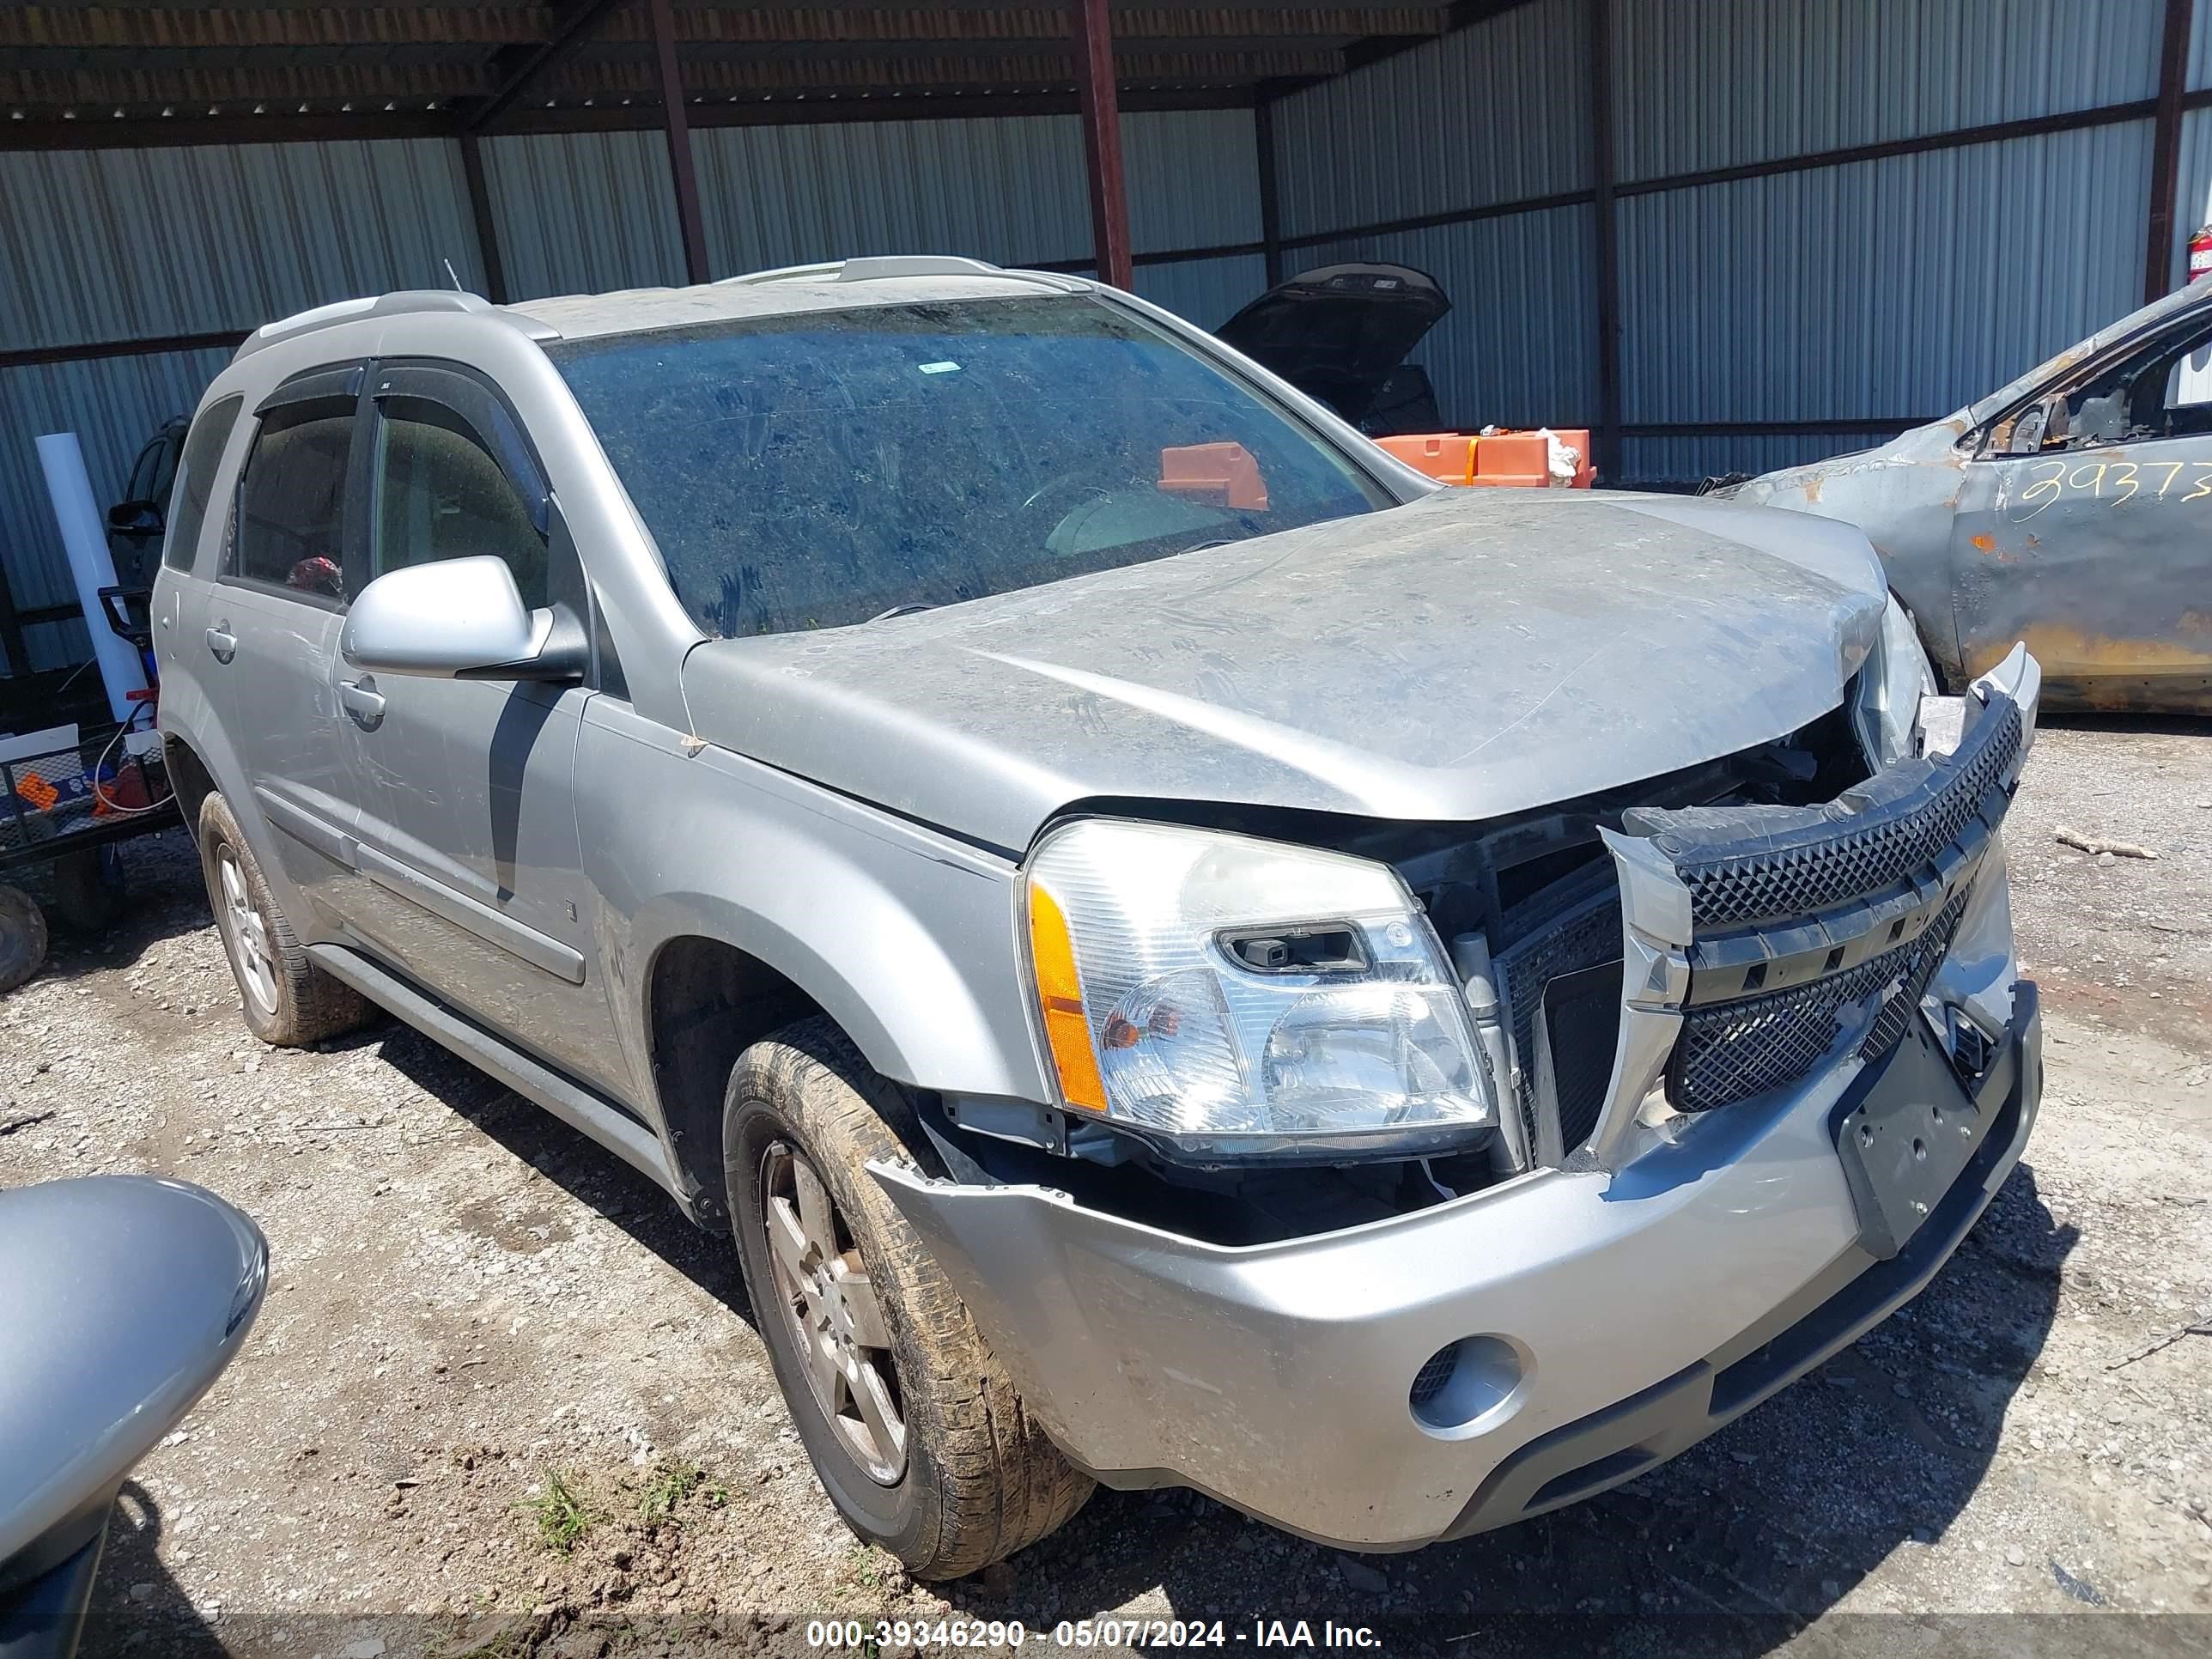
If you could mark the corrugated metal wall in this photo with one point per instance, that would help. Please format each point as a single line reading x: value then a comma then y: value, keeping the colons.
x: 1873, y: 290
x: 1715, y: 84
x: 107, y: 244
x: 1898, y: 289
x: 1497, y: 112
x: 578, y: 213
x: 113, y: 245
x: 1209, y: 292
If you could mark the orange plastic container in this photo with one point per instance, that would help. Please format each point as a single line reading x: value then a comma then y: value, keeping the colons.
x: 1512, y: 459
x: 1221, y: 475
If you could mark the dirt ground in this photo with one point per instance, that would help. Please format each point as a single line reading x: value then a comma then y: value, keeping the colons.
x: 486, y: 1339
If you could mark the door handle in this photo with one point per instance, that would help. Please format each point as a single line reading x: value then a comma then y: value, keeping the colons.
x: 223, y: 641
x: 363, y: 703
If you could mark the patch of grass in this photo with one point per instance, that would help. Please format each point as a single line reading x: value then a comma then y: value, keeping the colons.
x: 561, y: 1514
x: 670, y: 1484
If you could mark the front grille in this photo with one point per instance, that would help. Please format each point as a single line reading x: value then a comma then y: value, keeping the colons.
x: 1761, y: 864
x: 1735, y: 1050
x: 1584, y: 941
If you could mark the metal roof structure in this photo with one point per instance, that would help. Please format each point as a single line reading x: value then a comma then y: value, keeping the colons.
x: 74, y: 75
x: 80, y: 76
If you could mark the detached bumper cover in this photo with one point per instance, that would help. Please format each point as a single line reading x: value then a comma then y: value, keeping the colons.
x: 1629, y: 1313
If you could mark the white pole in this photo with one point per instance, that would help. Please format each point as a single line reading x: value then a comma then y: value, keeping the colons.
x: 86, y: 540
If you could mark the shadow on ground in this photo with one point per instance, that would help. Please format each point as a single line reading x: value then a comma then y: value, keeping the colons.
x: 1732, y: 1548
x: 1747, y: 1538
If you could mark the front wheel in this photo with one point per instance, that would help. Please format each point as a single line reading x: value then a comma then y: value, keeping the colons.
x: 912, y: 1426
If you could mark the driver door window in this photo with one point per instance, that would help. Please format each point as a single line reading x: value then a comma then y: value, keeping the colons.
x: 438, y: 493
x: 2162, y: 390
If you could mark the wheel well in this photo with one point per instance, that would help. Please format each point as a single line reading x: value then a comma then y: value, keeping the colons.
x: 707, y: 1002
x: 189, y: 779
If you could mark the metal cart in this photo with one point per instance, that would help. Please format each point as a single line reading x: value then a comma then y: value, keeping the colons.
x: 70, y: 807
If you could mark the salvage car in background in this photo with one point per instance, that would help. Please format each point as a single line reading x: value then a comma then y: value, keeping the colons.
x: 1155, y: 927
x: 1341, y: 333
x: 137, y: 523
x: 2071, y: 509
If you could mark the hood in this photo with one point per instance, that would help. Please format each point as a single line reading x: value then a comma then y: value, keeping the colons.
x: 1473, y: 654
x: 1336, y: 333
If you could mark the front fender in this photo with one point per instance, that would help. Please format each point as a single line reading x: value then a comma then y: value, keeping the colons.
x: 904, y: 936
x: 1904, y: 495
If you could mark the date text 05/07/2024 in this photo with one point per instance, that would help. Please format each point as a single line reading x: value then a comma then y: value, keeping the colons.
x: 1083, y: 1633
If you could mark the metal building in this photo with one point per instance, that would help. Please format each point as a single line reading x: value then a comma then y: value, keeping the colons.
x: 1725, y: 234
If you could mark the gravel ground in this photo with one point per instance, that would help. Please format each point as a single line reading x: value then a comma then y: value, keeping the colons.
x: 485, y: 1338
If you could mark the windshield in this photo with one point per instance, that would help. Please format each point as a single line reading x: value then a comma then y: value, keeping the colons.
x: 813, y: 470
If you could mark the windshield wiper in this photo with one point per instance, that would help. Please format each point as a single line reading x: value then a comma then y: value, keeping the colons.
x: 900, y: 610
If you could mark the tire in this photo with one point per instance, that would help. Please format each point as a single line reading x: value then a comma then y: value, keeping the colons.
x: 22, y: 937
x: 977, y: 1480
x: 287, y: 999
x: 88, y: 888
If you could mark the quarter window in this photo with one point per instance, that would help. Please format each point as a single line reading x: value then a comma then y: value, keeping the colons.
x: 291, y: 506
x: 440, y: 494
x: 195, y: 482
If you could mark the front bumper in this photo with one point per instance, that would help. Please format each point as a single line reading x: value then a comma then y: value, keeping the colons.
x: 1608, y: 1320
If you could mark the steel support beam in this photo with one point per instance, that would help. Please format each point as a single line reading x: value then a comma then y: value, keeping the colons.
x: 1607, y: 438
x: 1271, y: 217
x: 689, y: 219
x: 2165, y: 149
x: 11, y: 628
x: 518, y: 67
x: 144, y: 346
x: 1098, y: 104
x: 494, y: 268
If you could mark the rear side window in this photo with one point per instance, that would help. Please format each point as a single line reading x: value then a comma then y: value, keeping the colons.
x: 195, y: 482
x: 291, y: 506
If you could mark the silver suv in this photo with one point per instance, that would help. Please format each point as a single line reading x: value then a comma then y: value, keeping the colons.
x: 1183, y: 953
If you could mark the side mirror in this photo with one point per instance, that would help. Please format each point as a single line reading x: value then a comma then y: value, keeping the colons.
x: 461, y: 619
x: 135, y: 518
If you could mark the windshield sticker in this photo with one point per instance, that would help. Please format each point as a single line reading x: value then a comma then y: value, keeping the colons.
x: 940, y: 369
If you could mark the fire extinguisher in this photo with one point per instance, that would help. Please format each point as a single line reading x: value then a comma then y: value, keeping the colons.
x: 2200, y: 253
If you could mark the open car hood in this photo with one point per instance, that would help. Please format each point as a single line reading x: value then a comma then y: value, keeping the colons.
x: 1336, y: 333
x: 1472, y: 654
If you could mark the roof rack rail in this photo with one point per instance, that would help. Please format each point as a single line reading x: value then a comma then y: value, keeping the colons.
x: 405, y: 301
x: 875, y: 268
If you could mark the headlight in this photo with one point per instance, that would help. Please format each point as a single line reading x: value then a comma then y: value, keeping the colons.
x: 1886, y: 708
x: 1233, y: 996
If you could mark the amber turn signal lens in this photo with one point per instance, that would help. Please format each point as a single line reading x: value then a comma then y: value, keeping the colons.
x: 1060, y: 998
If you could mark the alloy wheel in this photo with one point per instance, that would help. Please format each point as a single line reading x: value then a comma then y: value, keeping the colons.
x: 246, y: 934
x: 834, y: 1313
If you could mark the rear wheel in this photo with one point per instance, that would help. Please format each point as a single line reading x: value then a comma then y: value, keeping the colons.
x: 912, y: 1426
x: 286, y: 998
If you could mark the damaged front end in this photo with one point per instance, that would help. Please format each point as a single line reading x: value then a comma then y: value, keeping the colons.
x: 1755, y: 1027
